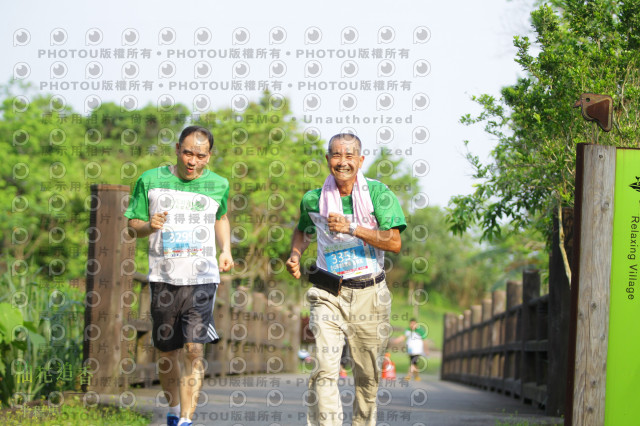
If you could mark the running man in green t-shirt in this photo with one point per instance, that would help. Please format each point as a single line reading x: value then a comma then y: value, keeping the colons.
x: 356, y: 220
x: 182, y: 209
x: 416, y: 338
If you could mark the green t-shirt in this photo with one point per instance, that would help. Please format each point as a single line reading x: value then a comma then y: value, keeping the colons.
x: 342, y: 253
x: 184, y: 251
x: 386, y: 207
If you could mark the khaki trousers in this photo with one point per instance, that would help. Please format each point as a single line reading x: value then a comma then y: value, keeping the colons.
x: 362, y: 315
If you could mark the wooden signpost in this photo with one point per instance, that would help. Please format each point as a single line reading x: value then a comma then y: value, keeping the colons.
x: 604, y: 319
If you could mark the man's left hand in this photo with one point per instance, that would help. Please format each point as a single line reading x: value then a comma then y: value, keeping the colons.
x: 338, y: 223
x: 225, y: 262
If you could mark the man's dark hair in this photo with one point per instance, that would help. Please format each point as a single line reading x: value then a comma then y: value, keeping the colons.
x: 347, y: 137
x: 196, y: 129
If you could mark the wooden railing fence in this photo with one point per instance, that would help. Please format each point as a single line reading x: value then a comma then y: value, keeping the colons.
x: 259, y: 333
x: 503, y: 344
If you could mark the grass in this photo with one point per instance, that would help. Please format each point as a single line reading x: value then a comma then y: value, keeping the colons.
x: 429, y: 314
x: 72, y: 414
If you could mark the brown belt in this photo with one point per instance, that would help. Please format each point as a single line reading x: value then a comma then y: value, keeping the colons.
x: 354, y: 283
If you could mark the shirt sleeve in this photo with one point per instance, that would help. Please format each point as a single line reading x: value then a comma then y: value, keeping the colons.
x: 387, y: 210
x: 222, y: 210
x: 422, y: 332
x: 139, y: 202
x: 305, y: 224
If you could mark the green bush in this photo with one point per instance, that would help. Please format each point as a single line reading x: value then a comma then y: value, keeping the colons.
x: 40, y: 336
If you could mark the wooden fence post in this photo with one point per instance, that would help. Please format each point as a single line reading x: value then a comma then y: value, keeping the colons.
x: 293, y: 328
x: 110, y: 270
x: 218, y: 354
x: 259, y: 331
x: 530, y: 358
x: 595, y: 180
x: 512, y: 348
x: 498, y: 298
x: 466, y: 342
x: 558, y: 325
x: 476, y: 340
x: 139, y: 323
x: 448, y: 345
x: 485, y: 369
x: 239, y: 334
x: 460, y: 346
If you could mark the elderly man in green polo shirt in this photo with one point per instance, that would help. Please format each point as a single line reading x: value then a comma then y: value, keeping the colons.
x: 356, y: 220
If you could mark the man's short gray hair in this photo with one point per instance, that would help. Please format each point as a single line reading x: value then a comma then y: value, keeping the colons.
x: 345, y: 137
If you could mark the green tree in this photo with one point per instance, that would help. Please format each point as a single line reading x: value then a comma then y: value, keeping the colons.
x: 52, y: 157
x: 36, y: 185
x: 270, y: 164
x: 581, y: 47
x: 459, y: 268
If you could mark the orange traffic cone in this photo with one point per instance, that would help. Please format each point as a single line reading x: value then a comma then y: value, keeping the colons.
x: 388, y: 368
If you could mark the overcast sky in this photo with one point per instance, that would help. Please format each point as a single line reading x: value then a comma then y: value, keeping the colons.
x: 401, y: 72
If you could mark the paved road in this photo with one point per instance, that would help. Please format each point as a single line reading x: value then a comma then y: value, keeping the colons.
x: 278, y: 400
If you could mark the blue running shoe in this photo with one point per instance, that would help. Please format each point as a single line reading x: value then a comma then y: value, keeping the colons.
x: 172, y: 419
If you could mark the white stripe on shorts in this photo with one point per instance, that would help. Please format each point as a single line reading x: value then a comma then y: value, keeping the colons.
x: 211, y: 332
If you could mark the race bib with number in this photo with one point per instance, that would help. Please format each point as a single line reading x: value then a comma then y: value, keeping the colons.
x: 343, y: 254
x: 347, y: 258
x: 180, y: 243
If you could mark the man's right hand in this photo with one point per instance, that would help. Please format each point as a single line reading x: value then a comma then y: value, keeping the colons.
x: 157, y: 221
x: 293, y: 265
x: 140, y: 229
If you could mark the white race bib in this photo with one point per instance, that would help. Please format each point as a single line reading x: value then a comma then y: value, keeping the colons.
x: 346, y: 258
x: 180, y: 242
x: 343, y: 254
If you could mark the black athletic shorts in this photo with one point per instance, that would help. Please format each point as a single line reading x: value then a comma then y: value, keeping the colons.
x: 182, y: 314
x: 415, y: 359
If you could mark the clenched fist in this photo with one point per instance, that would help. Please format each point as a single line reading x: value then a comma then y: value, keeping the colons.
x: 293, y: 265
x: 157, y: 221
